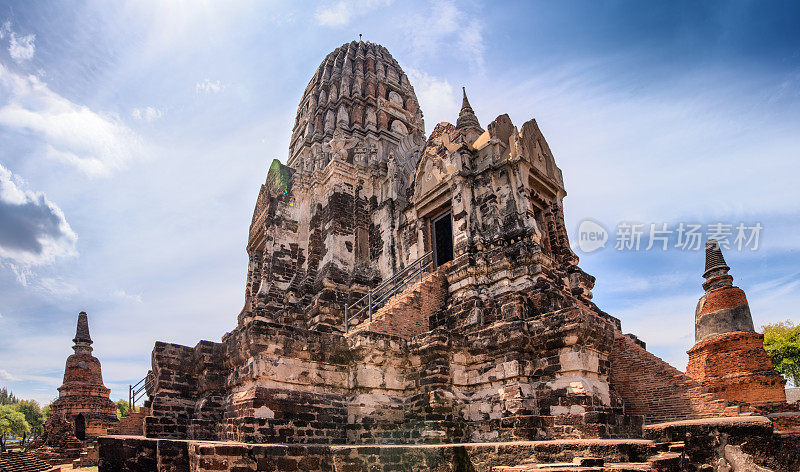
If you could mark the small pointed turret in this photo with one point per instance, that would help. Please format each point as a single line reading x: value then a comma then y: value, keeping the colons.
x: 466, y: 117
x: 715, y: 263
x: 723, y: 308
x: 728, y: 357
x: 716, y: 272
x: 82, y: 340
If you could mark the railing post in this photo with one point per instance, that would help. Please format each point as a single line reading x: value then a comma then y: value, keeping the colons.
x: 130, y: 397
x: 346, y: 318
x: 369, y: 297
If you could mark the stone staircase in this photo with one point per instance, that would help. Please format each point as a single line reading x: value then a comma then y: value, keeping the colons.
x: 603, y: 455
x: 406, y: 313
x: 18, y: 461
x: 89, y: 456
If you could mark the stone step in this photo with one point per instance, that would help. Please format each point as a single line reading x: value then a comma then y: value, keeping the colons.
x: 570, y: 467
x: 666, y: 461
x: 676, y: 447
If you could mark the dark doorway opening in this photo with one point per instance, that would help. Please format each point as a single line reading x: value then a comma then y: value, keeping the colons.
x: 80, y: 427
x: 442, y: 239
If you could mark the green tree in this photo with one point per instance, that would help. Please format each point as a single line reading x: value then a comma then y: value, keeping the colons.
x: 33, y: 415
x: 122, y: 408
x: 6, y: 397
x: 12, y: 422
x: 46, y: 412
x: 782, y: 343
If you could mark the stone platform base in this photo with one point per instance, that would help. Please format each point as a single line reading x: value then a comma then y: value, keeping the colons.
x: 741, y: 443
x: 139, y: 454
x: 681, y: 445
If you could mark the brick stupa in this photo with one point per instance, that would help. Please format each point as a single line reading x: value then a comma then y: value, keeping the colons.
x: 728, y: 357
x: 83, y: 400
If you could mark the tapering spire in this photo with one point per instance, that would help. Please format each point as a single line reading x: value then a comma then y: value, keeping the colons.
x: 715, y: 263
x: 82, y: 338
x: 466, y: 117
x: 464, y: 100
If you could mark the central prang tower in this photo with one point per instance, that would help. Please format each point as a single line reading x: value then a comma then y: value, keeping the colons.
x: 483, y: 327
x: 324, y: 223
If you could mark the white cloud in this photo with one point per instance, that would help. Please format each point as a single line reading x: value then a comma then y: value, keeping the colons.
x: 148, y: 114
x: 33, y: 230
x: 7, y: 376
x: 342, y: 12
x: 207, y: 86
x: 436, y: 97
x: 446, y: 27
x: 95, y: 143
x: 20, y: 48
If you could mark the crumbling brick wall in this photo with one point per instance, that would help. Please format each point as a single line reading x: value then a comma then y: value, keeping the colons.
x: 651, y: 387
x: 187, y: 384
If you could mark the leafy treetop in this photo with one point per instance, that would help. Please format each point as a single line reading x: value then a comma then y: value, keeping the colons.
x: 782, y: 343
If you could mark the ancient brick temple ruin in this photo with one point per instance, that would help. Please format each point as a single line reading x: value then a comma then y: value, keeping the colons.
x: 405, y: 291
x: 83, y: 410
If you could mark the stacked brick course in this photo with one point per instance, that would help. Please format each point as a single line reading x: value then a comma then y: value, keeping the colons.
x: 736, y: 366
x: 133, y: 423
x: 659, y: 392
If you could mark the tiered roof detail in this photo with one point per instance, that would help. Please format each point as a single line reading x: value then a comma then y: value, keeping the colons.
x: 466, y: 117
x: 359, y: 89
x: 714, y: 259
x: 82, y: 331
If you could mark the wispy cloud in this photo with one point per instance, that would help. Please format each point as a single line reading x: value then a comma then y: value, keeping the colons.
x: 97, y: 144
x: 56, y: 286
x: 7, y: 376
x: 20, y: 48
x: 208, y: 86
x: 125, y: 296
x: 148, y: 114
x: 340, y: 13
x: 446, y: 27
x: 436, y: 97
x: 33, y: 230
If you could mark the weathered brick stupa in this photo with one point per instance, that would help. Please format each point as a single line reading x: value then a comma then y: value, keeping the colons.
x: 403, y: 291
x: 83, y: 410
x: 728, y: 357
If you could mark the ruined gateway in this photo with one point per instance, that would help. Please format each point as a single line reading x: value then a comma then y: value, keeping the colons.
x: 404, y: 291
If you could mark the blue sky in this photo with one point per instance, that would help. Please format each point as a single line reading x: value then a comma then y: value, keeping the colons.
x: 134, y: 137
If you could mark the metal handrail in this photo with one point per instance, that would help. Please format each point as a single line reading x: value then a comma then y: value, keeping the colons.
x: 138, y: 390
x: 377, y: 296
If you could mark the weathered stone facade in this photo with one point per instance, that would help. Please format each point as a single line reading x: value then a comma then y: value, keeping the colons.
x: 500, y: 343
